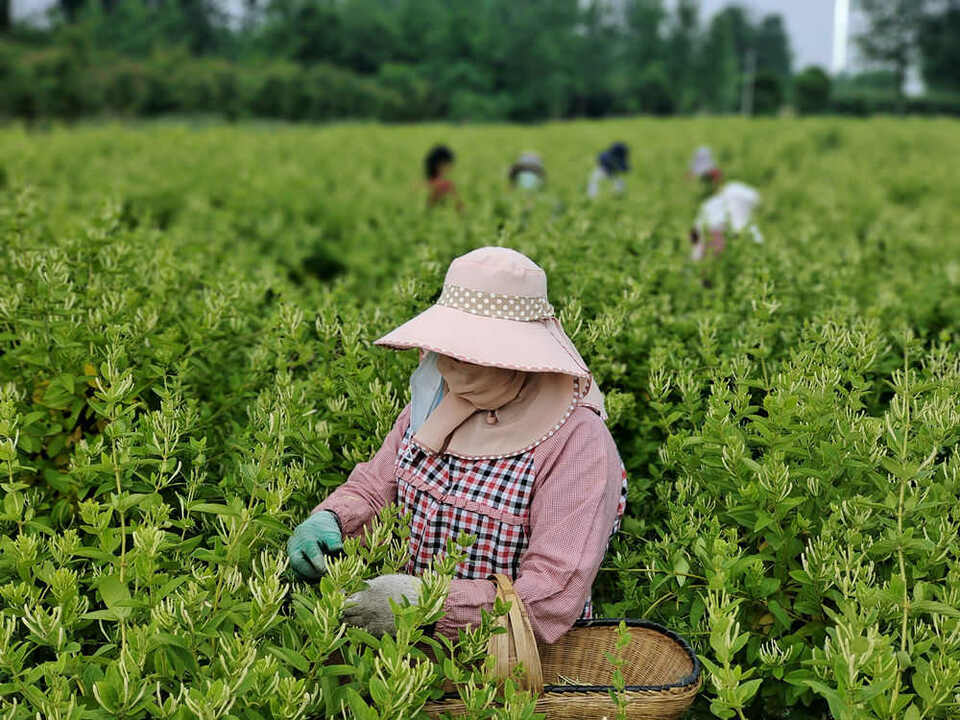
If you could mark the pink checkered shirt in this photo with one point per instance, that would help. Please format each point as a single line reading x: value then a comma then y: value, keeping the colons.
x: 543, y: 517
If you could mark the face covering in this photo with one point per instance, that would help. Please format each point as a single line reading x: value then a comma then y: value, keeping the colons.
x: 470, y: 389
x: 528, y: 180
x: 486, y: 388
x: 426, y: 390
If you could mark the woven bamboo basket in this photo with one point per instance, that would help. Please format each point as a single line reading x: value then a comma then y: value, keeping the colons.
x: 572, y: 676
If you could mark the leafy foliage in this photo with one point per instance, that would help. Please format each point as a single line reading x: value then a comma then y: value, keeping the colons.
x: 812, y: 91
x: 937, y: 42
x: 179, y: 388
x: 890, y: 36
x: 400, y: 60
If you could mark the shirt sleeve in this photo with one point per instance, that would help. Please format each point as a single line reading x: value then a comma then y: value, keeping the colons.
x: 572, y: 514
x: 371, y: 486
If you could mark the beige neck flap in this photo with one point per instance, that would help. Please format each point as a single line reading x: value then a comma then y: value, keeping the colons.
x: 491, y: 412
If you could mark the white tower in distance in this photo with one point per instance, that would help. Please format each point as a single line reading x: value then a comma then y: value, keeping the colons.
x: 841, y: 35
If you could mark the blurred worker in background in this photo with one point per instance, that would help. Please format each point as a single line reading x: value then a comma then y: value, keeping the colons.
x: 704, y: 168
x: 726, y: 212
x: 437, y: 164
x: 528, y: 172
x: 612, y: 163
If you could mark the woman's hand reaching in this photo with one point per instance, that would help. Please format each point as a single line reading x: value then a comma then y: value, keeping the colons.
x: 312, y: 541
x: 370, y: 608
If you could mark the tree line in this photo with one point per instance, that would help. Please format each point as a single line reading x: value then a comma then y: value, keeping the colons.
x: 900, y: 33
x: 418, y: 59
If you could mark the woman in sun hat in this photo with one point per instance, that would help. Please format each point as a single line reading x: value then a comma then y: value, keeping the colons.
x: 505, y: 439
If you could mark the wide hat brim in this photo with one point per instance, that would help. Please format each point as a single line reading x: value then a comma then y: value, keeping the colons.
x: 529, y: 346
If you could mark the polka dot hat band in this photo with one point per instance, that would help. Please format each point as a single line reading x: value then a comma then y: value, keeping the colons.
x: 495, y: 305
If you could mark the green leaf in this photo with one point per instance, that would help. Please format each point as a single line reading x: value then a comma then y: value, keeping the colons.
x: 60, y: 482
x: 747, y: 690
x: 682, y: 567
x: 273, y: 525
x: 776, y: 609
x: 290, y: 657
x: 128, y: 501
x: 95, y: 554
x: 834, y: 698
x: 181, y: 659
x: 171, y: 585
x: 214, y: 509
x: 934, y: 608
x: 922, y: 687
x: 379, y: 692
x: 168, y: 640
x: 32, y: 417
x: 360, y: 709
x: 744, y: 515
x: 697, y: 609
x: 721, y: 710
x: 59, y: 393
x: 709, y: 665
x: 116, y: 595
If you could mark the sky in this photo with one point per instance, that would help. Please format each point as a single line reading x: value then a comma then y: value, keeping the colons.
x: 809, y: 23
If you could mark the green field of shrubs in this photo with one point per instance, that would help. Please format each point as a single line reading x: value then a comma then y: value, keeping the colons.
x: 186, y: 369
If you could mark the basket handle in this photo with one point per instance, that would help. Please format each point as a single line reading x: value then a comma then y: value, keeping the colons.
x: 519, y: 637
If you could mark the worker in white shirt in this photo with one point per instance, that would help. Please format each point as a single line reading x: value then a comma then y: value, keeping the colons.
x: 728, y: 211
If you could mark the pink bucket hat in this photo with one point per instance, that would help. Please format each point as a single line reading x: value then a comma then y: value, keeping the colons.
x: 493, y: 311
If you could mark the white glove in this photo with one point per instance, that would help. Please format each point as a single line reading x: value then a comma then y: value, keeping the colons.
x: 370, y: 608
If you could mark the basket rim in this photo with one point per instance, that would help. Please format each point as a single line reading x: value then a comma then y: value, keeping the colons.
x: 691, y: 680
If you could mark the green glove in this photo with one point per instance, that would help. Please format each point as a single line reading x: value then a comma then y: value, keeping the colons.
x: 312, y: 540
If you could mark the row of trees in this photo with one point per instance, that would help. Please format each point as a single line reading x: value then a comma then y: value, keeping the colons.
x: 462, y: 59
x: 485, y: 59
x: 902, y: 32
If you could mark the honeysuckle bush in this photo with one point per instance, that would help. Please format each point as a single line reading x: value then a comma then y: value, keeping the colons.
x: 186, y: 369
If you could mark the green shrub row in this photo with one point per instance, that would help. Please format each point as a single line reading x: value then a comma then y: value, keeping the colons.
x: 60, y: 83
x: 66, y: 82
x: 873, y: 102
x: 179, y: 388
